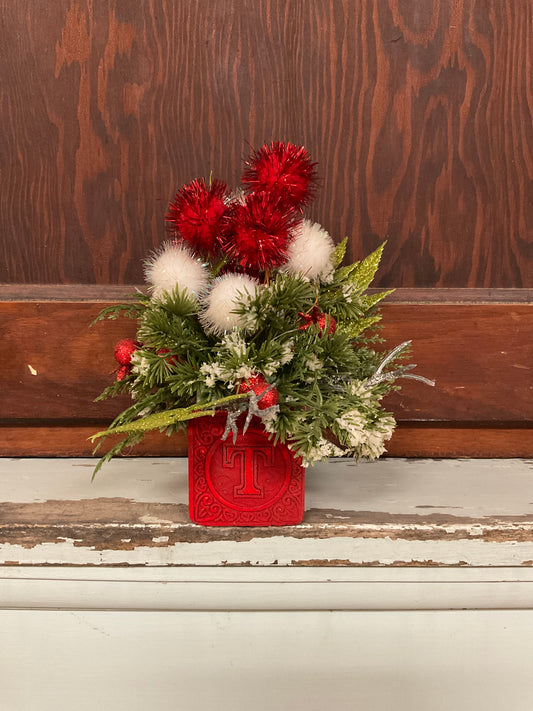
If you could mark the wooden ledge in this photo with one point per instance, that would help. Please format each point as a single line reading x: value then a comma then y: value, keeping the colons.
x: 389, y: 513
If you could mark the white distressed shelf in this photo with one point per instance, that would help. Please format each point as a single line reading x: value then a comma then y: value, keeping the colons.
x: 409, y: 585
x: 428, y: 513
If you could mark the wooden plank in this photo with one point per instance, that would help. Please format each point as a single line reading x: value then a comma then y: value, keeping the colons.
x: 386, y: 513
x: 409, y: 440
x: 338, y: 659
x: 72, y: 440
x: 442, y: 440
x: 126, y: 292
x: 479, y: 354
x: 401, y: 104
x: 296, y: 588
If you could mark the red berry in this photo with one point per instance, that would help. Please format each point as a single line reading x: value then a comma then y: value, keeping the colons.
x: 123, y: 371
x: 255, y: 380
x: 319, y: 319
x: 267, y: 394
x: 170, y: 359
x: 124, y: 350
x: 326, y: 320
x: 267, y: 397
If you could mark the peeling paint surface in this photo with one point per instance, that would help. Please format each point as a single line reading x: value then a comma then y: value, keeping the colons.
x: 367, y: 515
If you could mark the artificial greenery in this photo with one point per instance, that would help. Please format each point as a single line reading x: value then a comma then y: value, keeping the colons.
x: 330, y: 385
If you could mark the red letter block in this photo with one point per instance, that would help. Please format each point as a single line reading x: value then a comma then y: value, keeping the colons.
x: 249, y: 483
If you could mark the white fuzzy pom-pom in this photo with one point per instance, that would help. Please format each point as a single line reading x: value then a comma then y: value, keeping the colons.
x: 174, y: 265
x: 309, y: 253
x: 227, y: 292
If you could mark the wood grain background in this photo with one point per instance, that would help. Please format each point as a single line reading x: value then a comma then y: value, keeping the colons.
x: 418, y: 113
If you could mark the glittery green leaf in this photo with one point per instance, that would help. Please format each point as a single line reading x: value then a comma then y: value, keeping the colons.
x: 367, y: 302
x: 159, y: 420
x: 339, y: 252
x: 355, y: 328
x: 363, y: 273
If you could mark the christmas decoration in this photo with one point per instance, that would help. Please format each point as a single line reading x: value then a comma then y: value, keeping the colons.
x: 175, y: 266
x: 218, y: 314
x: 326, y: 323
x: 254, y: 325
x: 124, y: 350
x: 267, y: 395
x: 260, y: 233
x: 309, y: 253
x: 284, y: 171
x: 196, y: 215
x: 236, y: 493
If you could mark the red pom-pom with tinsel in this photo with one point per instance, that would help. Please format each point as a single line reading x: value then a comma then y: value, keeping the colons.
x: 326, y: 323
x: 198, y: 215
x: 260, y: 232
x: 124, y: 350
x: 257, y: 384
x: 284, y: 170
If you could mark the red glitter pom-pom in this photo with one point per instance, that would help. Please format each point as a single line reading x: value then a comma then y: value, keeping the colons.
x: 322, y: 320
x: 267, y: 394
x: 124, y: 350
x: 261, y: 231
x: 284, y: 170
x: 198, y: 215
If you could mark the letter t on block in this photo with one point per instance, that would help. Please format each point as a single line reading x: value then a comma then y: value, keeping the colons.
x: 250, y: 459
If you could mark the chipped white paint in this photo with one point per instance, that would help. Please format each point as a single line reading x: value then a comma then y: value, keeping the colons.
x: 283, y: 550
x: 273, y: 635
x: 32, y: 369
x: 485, y: 517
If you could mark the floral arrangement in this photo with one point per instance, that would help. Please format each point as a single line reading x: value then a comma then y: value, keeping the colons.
x: 250, y: 311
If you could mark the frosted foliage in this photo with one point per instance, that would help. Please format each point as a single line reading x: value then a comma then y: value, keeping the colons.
x: 309, y: 253
x: 226, y: 294
x: 172, y: 266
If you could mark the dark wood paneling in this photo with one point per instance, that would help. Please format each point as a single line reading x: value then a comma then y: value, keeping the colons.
x: 53, y: 365
x: 408, y: 440
x: 418, y: 114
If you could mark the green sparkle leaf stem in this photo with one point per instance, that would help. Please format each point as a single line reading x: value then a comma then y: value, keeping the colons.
x: 165, y: 418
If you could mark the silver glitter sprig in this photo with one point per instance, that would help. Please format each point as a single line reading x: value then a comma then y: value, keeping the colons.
x: 402, y: 372
x: 252, y: 408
